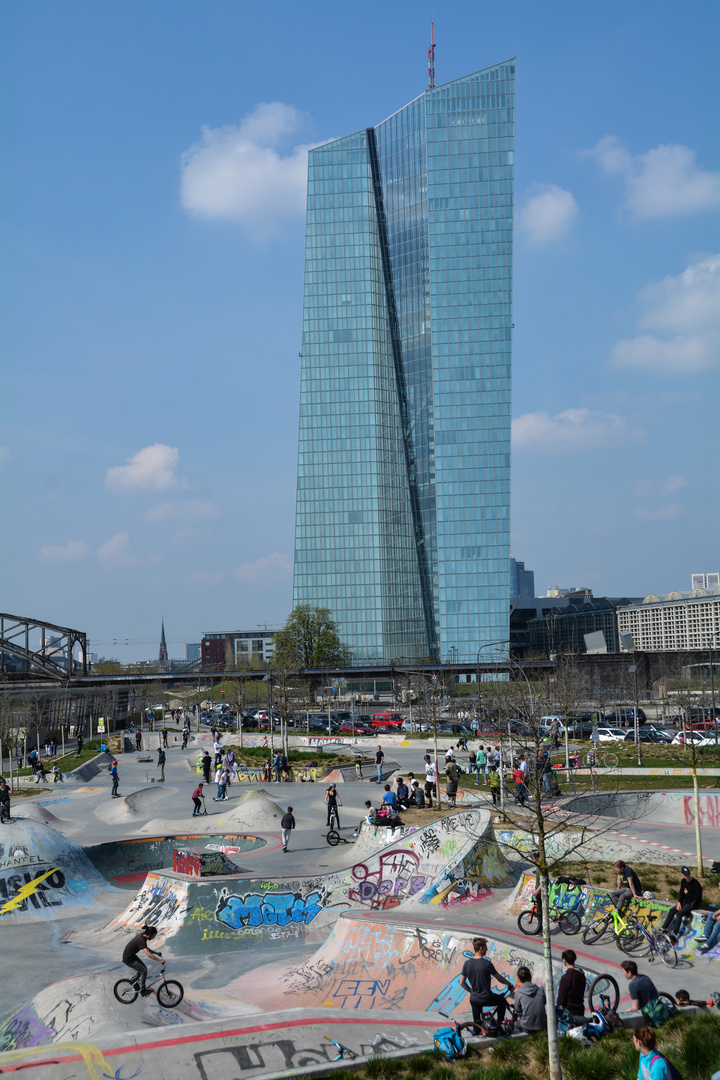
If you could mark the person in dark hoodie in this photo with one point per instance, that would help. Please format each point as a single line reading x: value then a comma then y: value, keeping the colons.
x: 529, y: 1002
x: 571, y: 991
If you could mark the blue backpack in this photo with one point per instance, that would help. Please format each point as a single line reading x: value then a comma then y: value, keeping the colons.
x: 674, y: 1073
x: 449, y: 1043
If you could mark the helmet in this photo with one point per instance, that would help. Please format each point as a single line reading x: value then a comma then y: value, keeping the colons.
x: 647, y: 895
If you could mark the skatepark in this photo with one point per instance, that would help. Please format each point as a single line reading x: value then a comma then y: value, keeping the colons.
x: 363, y: 942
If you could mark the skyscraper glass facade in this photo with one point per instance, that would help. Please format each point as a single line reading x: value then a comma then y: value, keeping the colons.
x: 403, y: 494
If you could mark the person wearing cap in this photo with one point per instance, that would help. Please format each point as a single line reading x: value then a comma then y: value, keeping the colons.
x: 196, y: 797
x: 115, y: 780
x: 690, y: 899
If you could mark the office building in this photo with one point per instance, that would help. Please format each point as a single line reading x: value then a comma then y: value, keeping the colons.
x: 522, y: 581
x: 709, y: 582
x: 679, y: 621
x: 403, y: 492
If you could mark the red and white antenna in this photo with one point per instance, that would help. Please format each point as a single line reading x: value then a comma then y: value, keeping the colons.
x: 431, y: 58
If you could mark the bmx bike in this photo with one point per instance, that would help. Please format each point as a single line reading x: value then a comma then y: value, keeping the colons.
x: 169, y: 993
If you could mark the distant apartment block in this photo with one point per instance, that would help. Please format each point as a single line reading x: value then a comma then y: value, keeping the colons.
x: 236, y: 648
x: 675, y: 622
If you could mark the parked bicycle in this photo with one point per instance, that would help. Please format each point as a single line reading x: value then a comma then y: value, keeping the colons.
x: 660, y: 942
x: 568, y: 922
x: 600, y: 759
x: 169, y: 993
x: 342, y: 1050
x: 624, y: 927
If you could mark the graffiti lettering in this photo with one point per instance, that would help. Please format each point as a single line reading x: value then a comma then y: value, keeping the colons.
x: 258, y: 909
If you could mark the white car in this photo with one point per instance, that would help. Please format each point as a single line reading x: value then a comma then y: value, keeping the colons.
x: 611, y: 734
x: 690, y: 736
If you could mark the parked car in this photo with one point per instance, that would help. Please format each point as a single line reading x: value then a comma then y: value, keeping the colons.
x: 684, y: 738
x: 610, y: 734
x: 355, y: 727
x: 661, y: 734
x: 646, y: 734
x: 623, y: 715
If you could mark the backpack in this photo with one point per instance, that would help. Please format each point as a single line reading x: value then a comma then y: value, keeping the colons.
x: 449, y: 1043
x: 674, y: 1073
x: 657, y: 1011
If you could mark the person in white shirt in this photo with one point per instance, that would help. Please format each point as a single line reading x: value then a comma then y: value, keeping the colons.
x: 430, y: 779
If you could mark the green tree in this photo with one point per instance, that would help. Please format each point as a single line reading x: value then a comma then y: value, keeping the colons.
x: 309, y: 639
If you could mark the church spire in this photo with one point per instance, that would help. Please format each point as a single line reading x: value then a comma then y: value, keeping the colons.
x: 163, y: 655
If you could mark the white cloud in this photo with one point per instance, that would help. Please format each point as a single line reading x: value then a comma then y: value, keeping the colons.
x: 203, y: 577
x: 238, y: 172
x: 571, y: 431
x: 70, y: 552
x: 268, y: 571
x: 659, y: 513
x: 185, y: 509
x: 151, y: 469
x: 645, y: 489
x: 687, y: 307
x: 547, y: 214
x: 663, y: 182
x: 114, y: 552
x: 5, y: 454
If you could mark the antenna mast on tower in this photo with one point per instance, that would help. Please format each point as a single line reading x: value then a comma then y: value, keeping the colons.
x: 431, y: 58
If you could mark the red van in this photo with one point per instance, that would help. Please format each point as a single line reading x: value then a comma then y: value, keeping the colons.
x: 387, y: 721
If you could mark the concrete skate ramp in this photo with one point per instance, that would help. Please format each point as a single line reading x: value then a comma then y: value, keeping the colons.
x: 656, y: 807
x: 136, y: 804
x: 125, y: 863
x: 253, y: 810
x: 43, y: 874
x: 448, y: 862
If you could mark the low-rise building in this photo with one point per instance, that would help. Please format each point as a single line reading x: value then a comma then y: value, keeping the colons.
x: 223, y: 649
x: 679, y: 621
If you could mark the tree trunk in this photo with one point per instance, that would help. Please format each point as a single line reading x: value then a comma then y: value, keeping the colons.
x: 553, y: 1046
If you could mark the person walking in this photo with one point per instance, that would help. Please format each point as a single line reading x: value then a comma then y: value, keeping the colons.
x: 519, y: 777
x: 165, y: 737
x: 206, y: 763
x: 220, y: 782
x: 161, y: 764
x: 332, y: 801
x: 431, y: 776
x: 4, y: 801
x: 185, y: 737
x: 115, y: 780
x: 79, y: 744
x: 476, y: 978
x: 196, y: 798
x: 652, y: 1065
x: 690, y: 899
x: 138, y: 740
x: 277, y: 766
x: 379, y: 758
x: 453, y: 777
x: 494, y: 782
x: 287, y: 825
x: 217, y: 747
x: 481, y: 764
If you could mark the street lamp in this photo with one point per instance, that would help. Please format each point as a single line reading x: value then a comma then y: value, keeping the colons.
x: 712, y: 685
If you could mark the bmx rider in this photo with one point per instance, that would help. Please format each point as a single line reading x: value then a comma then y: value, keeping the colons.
x: 137, y: 945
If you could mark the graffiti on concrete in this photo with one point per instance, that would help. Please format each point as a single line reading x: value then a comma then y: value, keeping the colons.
x: 709, y: 811
x: 396, y: 878
x: 20, y: 890
x: 267, y: 909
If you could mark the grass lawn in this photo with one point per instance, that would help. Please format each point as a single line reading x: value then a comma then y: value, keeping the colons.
x: 258, y: 755
x: 690, y: 1042
x: 71, y: 760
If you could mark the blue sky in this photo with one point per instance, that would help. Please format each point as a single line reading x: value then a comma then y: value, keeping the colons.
x: 152, y: 288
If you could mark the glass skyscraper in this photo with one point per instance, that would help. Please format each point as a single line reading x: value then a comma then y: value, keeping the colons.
x: 403, y: 490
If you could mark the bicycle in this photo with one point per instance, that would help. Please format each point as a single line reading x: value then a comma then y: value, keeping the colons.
x: 603, y: 991
x: 342, y: 1050
x: 568, y: 922
x: 335, y: 837
x: 659, y: 941
x: 600, y: 759
x: 169, y: 993
x: 624, y: 930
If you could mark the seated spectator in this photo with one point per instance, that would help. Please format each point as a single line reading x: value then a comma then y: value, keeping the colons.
x: 390, y: 798
x: 418, y: 796
x: 529, y: 1002
x: 571, y: 991
x: 402, y: 793
x: 690, y: 899
x: 641, y: 988
x: 711, y: 932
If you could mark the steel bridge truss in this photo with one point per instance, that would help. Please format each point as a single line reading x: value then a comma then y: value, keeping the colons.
x: 32, y: 648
